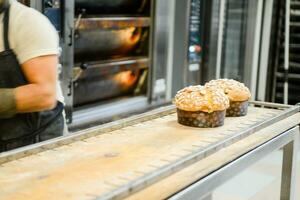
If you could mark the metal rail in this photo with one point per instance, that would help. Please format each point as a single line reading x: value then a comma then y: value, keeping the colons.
x: 111, y: 66
x: 220, y: 176
x: 119, y: 64
x: 116, y: 22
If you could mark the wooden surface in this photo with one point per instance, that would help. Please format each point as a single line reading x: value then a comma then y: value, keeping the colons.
x: 189, y: 175
x: 87, y: 169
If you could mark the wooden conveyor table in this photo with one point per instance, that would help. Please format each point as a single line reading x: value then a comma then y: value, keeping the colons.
x: 149, y: 156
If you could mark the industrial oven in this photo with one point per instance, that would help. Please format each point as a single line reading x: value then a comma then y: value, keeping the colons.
x: 121, y: 56
x: 106, y: 55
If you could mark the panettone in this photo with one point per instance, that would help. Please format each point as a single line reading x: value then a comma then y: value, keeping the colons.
x: 199, y: 106
x: 200, y: 98
x: 235, y: 90
x: 237, y: 93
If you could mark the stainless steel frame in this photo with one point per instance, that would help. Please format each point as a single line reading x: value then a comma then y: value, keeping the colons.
x: 180, y: 45
x: 289, y: 167
x: 253, y: 45
x: 170, y: 37
x: 289, y: 140
x: 163, y: 34
x: 68, y: 57
x: 220, y: 38
x: 286, y: 49
x: 181, y: 72
x: 264, y: 49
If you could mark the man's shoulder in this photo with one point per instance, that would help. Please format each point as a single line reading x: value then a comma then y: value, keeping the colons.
x: 28, y: 20
x: 22, y: 14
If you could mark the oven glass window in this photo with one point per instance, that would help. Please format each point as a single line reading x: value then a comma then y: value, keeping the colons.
x: 234, y: 39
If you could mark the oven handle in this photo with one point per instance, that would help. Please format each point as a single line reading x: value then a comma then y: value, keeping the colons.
x: 77, y: 71
x: 77, y: 22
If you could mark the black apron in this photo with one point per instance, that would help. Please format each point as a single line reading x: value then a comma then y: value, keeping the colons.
x: 23, y: 129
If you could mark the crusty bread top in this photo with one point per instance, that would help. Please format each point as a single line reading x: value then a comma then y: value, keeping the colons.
x: 235, y: 90
x: 200, y: 98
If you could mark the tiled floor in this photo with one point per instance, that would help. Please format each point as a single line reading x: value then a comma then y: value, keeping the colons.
x: 260, y: 182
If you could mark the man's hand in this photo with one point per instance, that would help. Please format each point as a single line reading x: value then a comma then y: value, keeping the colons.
x: 40, y: 93
x: 7, y: 103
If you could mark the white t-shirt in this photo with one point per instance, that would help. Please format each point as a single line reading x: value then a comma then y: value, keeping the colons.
x: 31, y: 35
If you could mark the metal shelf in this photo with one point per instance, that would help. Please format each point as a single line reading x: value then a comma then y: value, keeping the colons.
x: 295, y: 24
x: 114, y: 65
x: 293, y: 68
x: 294, y: 59
x: 290, y: 75
x: 285, y: 79
x: 295, y: 4
x: 295, y: 64
x: 292, y: 86
x: 114, y: 22
x: 295, y: 13
x: 292, y: 46
x: 292, y: 98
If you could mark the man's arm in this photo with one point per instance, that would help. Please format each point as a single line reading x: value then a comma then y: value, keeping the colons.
x: 40, y: 93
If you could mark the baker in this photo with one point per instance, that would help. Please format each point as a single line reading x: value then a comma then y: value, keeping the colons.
x: 31, y: 101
